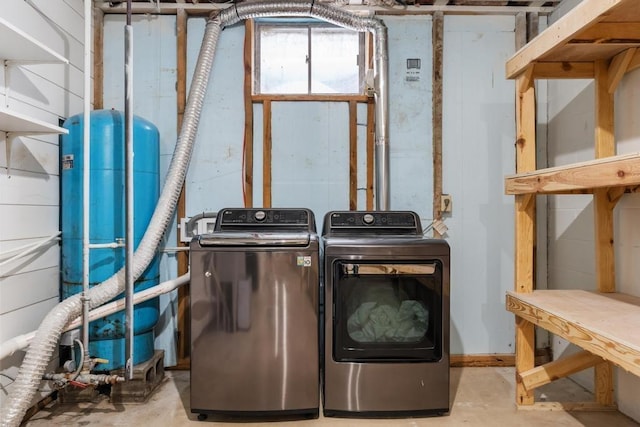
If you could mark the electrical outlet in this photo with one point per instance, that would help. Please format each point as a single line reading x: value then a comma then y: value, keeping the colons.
x: 446, y: 203
x: 185, y: 235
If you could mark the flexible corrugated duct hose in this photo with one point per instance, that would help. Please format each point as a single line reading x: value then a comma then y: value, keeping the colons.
x: 41, y: 349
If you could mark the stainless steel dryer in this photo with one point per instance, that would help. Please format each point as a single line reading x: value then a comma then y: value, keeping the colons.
x: 254, y: 315
x: 386, y: 321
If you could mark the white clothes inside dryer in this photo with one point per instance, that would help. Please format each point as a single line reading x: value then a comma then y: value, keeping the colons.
x: 382, y: 312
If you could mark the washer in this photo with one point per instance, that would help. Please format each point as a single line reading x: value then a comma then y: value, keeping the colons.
x: 254, y: 315
x: 386, y: 327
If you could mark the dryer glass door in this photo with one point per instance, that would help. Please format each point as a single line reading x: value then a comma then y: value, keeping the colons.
x: 387, y: 311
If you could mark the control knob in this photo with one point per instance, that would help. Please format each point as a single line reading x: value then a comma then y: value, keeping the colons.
x: 260, y: 216
x: 368, y: 219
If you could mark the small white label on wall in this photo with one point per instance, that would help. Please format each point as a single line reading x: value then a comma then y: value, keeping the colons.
x: 304, y: 261
x: 67, y: 161
x: 413, y: 70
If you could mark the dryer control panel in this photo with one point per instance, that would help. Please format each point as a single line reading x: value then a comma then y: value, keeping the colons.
x: 381, y: 222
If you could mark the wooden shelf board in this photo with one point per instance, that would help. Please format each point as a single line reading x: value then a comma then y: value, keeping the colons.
x: 615, y: 171
x: 604, y: 324
x: 592, y: 30
x: 20, y: 123
x: 16, y: 45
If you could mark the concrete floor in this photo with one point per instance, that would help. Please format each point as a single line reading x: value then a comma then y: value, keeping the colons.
x: 480, y: 397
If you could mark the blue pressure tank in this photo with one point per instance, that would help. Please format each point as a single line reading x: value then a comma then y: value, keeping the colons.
x: 108, y: 222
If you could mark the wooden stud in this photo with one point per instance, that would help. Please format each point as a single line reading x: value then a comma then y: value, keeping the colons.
x: 525, y: 227
x: 183, y: 316
x: 603, y: 378
x: 604, y: 129
x: 525, y: 217
x: 353, y: 155
x: 247, y: 188
x: 533, y: 25
x: 310, y: 97
x: 371, y: 128
x: 605, y: 256
x: 635, y: 61
x: 98, y: 59
x: 437, y: 89
x: 521, y: 30
x: 525, y: 351
x: 569, y: 407
x: 618, y: 68
x: 603, y: 215
x: 266, y: 156
x: 525, y: 125
x: 371, y: 134
x: 481, y: 360
x: 559, y: 368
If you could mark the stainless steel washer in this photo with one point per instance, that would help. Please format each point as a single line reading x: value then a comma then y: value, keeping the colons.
x: 386, y: 321
x: 254, y: 315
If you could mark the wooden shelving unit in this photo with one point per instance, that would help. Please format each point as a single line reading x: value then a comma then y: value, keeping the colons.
x: 16, y: 46
x: 598, y: 39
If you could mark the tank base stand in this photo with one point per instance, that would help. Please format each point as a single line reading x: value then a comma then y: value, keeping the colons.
x: 146, y: 378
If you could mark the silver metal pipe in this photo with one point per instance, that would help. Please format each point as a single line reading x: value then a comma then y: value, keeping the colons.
x: 382, y: 119
x: 129, y: 193
x: 86, y: 178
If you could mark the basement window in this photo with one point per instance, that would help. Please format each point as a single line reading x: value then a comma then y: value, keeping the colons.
x: 307, y: 57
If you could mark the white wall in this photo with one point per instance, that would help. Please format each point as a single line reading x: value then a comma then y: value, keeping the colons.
x: 478, y: 151
x: 29, y: 167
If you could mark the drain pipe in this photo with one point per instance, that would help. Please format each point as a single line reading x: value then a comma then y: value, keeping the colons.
x: 129, y: 193
x: 86, y: 178
x: 47, y: 336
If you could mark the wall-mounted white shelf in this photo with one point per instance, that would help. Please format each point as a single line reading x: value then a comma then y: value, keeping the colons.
x: 15, y: 122
x: 16, y: 45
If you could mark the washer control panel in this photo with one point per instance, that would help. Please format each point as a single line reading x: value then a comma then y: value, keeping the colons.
x: 244, y: 218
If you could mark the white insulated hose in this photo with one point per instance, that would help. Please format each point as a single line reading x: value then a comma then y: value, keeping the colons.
x: 47, y: 337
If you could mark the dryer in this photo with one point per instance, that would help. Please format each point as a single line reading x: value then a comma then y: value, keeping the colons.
x: 386, y: 326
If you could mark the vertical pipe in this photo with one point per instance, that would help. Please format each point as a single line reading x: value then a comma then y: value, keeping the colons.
x: 128, y: 121
x: 86, y: 174
x: 382, y: 119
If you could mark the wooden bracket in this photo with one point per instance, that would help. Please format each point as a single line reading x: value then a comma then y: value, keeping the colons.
x: 525, y: 81
x: 618, y: 67
x: 615, y: 194
x: 541, y: 375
